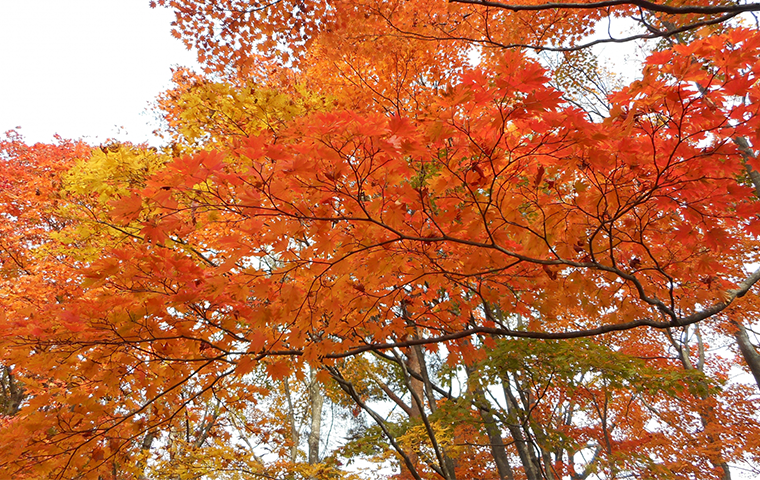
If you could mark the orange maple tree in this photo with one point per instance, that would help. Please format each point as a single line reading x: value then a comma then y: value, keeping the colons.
x: 393, y: 207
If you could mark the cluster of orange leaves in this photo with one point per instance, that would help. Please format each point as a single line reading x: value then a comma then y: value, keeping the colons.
x: 391, y: 194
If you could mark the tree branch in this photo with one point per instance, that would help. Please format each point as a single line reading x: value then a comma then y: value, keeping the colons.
x: 643, y: 4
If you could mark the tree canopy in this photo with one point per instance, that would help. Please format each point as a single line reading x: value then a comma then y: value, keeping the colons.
x: 399, y: 240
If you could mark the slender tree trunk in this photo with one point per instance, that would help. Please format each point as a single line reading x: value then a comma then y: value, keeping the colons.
x: 530, y: 462
x: 449, y: 463
x: 205, y: 428
x: 706, y: 417
x: 751, y: 357
x: 417, y: 387
x: 316, y: 399
x: 415, y: 361
x: 426, y: 378
x: 498, y: 450
x: 408, y: 462
x: 292, y: 419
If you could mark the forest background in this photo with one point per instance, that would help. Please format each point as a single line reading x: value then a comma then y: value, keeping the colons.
x: 442, y: 239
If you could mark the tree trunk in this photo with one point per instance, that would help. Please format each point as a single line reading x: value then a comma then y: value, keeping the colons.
x: 316, y: 399
x: 292, y: 419
x: 415, y: 361
x: 706, y: 417
x: 749, y: 352
x: 527, y: 455
x: 12, y: 393
x: 498, y: 450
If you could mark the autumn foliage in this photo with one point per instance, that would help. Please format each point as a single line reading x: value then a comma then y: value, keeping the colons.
x: 407, y: 240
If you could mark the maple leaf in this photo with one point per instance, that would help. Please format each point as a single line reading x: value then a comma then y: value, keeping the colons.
x: 127, y: 209
x: 278, y: 369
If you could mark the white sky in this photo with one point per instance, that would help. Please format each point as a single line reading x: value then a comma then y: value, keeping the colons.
x: 84, y: 68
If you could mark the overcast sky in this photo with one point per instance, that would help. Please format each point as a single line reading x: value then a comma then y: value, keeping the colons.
x: 84, y: 68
